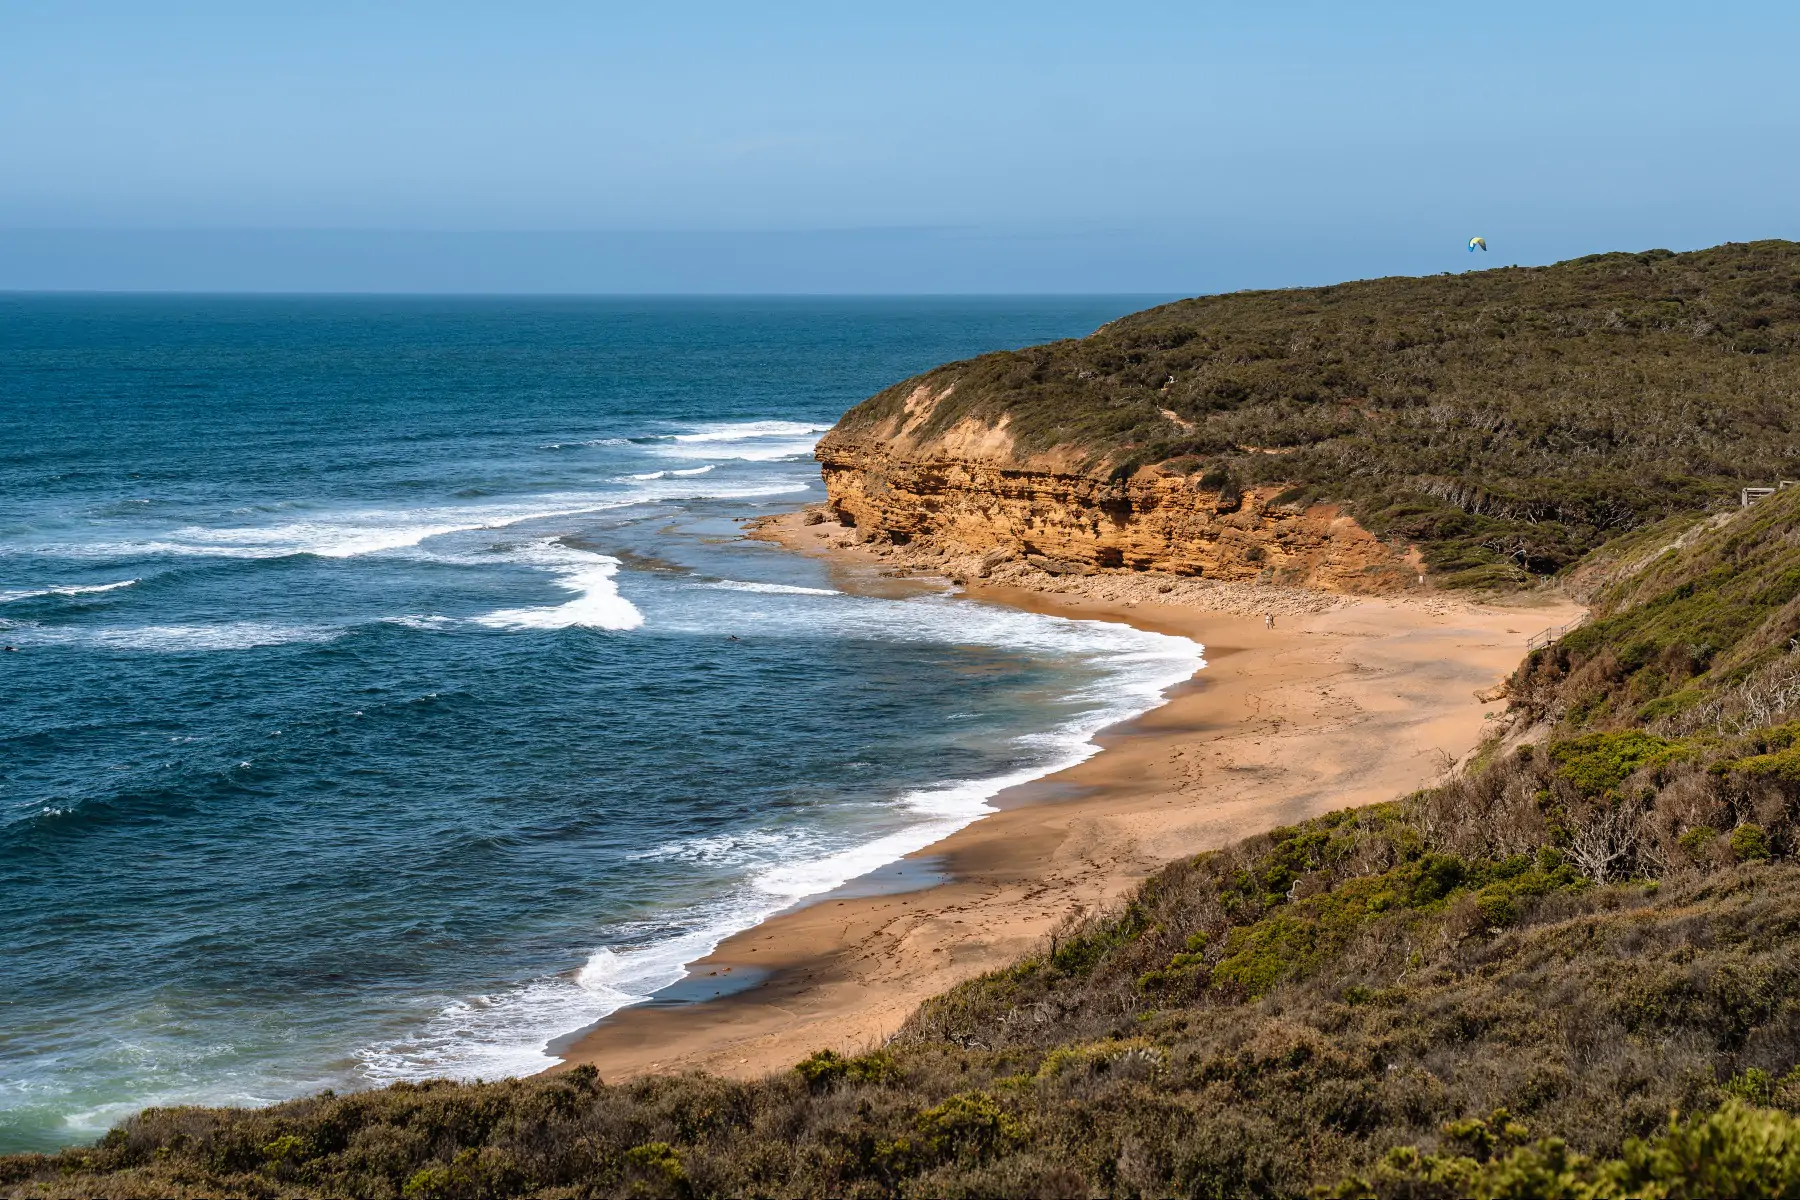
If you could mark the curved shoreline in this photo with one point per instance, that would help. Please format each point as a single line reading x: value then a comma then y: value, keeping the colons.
x: 1354, y: 705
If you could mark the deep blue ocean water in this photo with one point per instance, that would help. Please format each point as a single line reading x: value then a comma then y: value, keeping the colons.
x: 392, y: 691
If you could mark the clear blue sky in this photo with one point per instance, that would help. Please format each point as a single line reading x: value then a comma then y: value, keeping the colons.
x: 917, y: 147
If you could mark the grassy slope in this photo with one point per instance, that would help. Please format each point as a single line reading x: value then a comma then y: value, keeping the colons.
x: 1503, y: 986
x: 1505, y: 420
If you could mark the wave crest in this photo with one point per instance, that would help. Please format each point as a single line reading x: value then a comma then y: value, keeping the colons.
x: 597, y: 603
x: 8, y: 596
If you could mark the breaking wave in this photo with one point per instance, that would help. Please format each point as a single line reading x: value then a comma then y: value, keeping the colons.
x: 597, y: 603
x: 8, y: 596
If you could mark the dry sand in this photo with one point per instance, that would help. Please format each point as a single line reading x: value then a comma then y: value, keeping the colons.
x: 1356, y: 702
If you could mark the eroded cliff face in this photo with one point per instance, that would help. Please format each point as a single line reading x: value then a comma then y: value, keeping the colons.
x: 965, y: 493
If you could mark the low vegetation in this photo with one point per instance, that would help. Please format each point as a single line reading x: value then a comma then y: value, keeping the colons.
x: 1379, y: 1002
x: 1505, y: 421
x: 1571, y: 971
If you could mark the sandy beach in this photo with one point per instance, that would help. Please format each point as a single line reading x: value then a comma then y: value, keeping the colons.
x: 1358, y: 701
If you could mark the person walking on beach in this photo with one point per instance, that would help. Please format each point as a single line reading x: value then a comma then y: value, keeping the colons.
x: 1268, y: 620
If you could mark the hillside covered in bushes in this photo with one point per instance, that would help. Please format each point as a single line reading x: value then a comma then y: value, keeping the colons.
x: 1505, y: 421
x: 1574, y: 970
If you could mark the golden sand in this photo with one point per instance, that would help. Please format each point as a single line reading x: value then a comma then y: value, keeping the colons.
x: 1359, y: 703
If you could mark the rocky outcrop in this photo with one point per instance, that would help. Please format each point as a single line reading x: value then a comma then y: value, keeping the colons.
x: 965, y: 493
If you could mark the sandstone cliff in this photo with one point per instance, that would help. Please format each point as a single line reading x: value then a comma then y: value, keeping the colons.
x: 1504, y: 422
x: 967, y: 491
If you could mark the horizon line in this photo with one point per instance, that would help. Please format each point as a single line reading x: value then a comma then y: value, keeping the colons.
x: 478, y: 295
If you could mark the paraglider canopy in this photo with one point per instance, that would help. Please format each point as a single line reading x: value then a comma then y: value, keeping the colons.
x: 1477, y: 241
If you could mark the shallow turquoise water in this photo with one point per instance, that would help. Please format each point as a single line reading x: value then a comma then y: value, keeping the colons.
x: 392, y: 694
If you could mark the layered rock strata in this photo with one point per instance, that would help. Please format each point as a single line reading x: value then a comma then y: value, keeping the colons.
x: 966, y: 496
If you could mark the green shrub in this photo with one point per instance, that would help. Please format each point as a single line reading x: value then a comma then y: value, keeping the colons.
x: 1753, y: 1086
x: 826, y: 1067
x: 1496, y: 906
x: 475, y: 1173
x: 1695, y: 839
x: 1749, y: 842
x: 968, y: 1124
x: 1597, y: 763
x: 1079, y: 953
x: 1259, y: 956
x: 659, y: 1170
x: 284, y: 1148
x: 1436, y: 876
x: 1738, y: 1151
x: 1783, y: 764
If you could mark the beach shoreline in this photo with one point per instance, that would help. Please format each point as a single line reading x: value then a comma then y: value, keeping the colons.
x: 1345, y: 701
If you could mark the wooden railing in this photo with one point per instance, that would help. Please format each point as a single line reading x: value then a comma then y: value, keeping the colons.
x: 1750, y: 495
x: 1538, y: 641
x: 1746, y: 497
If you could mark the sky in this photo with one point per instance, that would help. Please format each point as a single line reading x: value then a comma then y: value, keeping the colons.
x: 925, y: 147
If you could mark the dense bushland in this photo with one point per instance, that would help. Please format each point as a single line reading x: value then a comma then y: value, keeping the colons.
x: 1506, y: 421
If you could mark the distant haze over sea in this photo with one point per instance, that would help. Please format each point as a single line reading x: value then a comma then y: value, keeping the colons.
x: 922, y: 260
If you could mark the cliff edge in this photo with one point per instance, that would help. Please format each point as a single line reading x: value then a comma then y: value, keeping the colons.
x: 1486, y: 429
x: 971, y: 494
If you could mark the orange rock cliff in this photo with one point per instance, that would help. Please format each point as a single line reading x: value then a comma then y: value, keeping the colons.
x: 966, y: 492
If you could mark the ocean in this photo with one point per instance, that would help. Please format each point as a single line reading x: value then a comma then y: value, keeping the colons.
x: 392, y: 690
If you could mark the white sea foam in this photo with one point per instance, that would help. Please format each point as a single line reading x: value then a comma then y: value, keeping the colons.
x: 679, y: 489
x: 739, y: 431
x: 356, y: 532
x: 416, y: 621
x: 798, y: 880
x: 175, y: 639
x: 768, y: 589
x: 673, y: 473
x: 1141, y: 666
x: 748, y: 441
x: 91, y: 1122
x: 231, y: 635
x: 769, y: 451
x: 946, y: 807
x: 507, y: 1033
x: 736, y: 848
x: 510, y: 1032
x: 8, y: 596
x: 1139, y: 663
x: 628, y: 975
x: 597, y: 603
x: 485, y: 1037
x: 605, y: 441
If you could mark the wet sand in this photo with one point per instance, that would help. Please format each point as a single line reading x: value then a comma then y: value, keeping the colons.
x: 1354, y: 705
